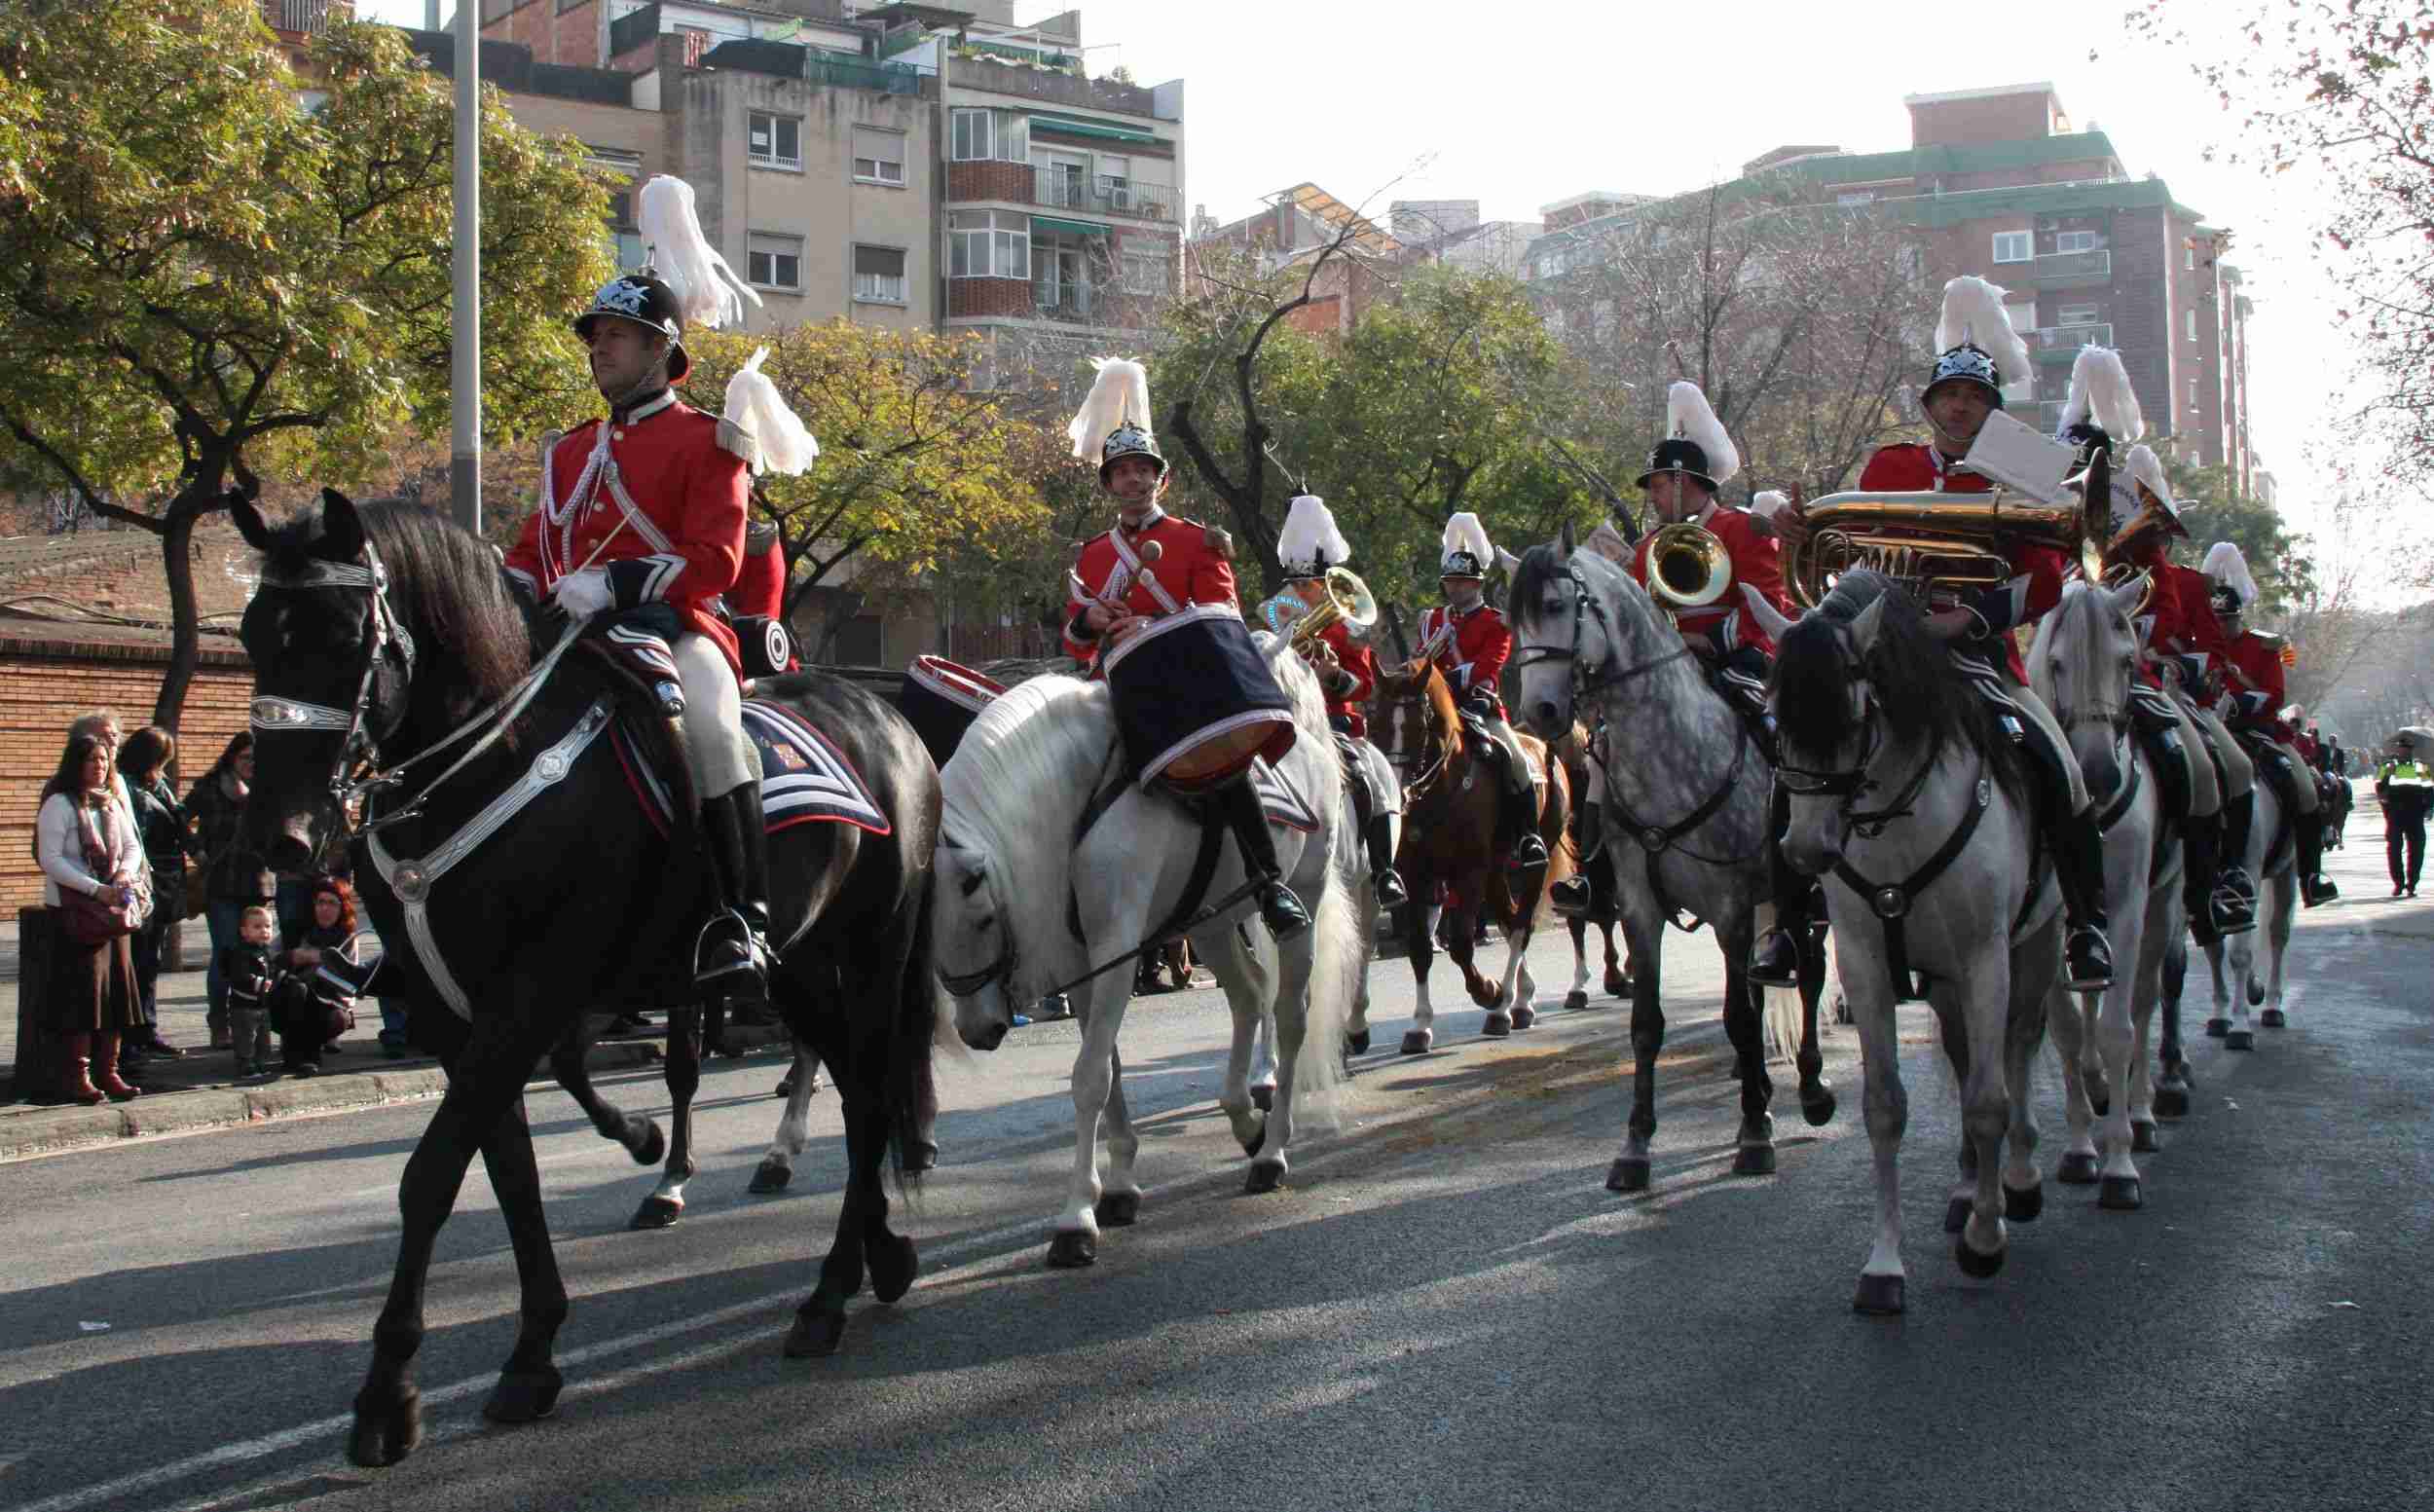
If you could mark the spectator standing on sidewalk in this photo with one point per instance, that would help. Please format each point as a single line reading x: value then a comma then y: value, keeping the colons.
x: 165, y: 832
x: 314, y: 1002
x: 250, y: 969
x: 87, y: 846
x: 234, y: 877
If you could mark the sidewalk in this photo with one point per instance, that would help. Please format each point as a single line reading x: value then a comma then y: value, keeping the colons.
x: 200, y: 1090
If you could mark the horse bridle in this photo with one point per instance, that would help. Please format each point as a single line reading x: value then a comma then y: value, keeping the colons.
x: 1851, y: 783
x: 391, y: 641
x: 1585, y: 604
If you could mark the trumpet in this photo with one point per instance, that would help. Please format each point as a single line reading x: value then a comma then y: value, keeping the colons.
x: 1348, y: 599
x: 1688, y: 566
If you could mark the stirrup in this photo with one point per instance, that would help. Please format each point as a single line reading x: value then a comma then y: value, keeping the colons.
x: 1528, y: 852
x: 1569, y: 897
x: 2087, y: 959
x: 743, y: 976
x: 1776, y: 962
x: 1281, y: 911
x: 1387, y: 884
x: 2316, y: 888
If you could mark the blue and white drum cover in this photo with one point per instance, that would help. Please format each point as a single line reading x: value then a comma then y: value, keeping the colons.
x: 1194, y: 700
x: 940, y: 699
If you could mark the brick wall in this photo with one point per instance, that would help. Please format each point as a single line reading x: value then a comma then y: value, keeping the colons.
x: 990, y: 180
x: 555, y: 36
x: 46, y: 684
x: 1995, y: 118
x: 988, y: 297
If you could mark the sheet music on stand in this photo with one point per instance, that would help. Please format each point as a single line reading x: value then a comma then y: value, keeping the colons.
x: 2020, y: 457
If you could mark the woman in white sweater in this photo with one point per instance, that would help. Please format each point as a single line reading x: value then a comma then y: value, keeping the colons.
x: 86, y: 845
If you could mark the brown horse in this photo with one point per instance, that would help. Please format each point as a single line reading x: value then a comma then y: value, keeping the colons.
x: 1449, y: 857
x: 1596, y: 862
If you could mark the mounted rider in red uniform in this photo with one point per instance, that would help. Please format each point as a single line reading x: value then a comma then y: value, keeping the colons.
x: 1347, y: 674
x: 642, y: 514
x: 1154, y: 568
x: 2253, y: 680
x: 1468, y: 641
x: 1965, y: 387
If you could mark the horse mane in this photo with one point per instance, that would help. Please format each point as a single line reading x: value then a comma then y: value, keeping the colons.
x: 446, y: 582
x: 1541, y: 566
x: 1933, y: 709
x: 2081, y: 600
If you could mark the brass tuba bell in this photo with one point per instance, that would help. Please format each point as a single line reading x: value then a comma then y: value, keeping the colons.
x: 1929, y: 542
x: 1688, y: 566
x: 1348, y: 600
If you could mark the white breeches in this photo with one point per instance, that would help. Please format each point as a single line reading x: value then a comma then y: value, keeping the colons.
x: 2239, y: 774
x: 713, y: 718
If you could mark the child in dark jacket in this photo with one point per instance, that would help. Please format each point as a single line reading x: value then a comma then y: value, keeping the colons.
x: 250, y: 974
x: 316, y: 998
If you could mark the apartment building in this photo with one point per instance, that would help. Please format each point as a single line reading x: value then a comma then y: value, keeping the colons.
x: 1293, y: 227
x: 2001, y: 184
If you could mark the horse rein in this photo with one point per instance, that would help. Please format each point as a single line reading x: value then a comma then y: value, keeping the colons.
x: 268, y: 715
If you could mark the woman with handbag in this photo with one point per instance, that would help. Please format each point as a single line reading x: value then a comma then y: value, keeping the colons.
x: 165, y: 830
x: 234, y: 877
x: 93, y: 882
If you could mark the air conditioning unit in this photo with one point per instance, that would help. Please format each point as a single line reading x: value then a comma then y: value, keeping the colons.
x: 1119, y: 197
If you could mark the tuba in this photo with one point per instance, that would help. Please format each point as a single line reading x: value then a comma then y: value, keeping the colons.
x: 1929, y: 542
x: 1688, y: 566
x: 1348, y: 600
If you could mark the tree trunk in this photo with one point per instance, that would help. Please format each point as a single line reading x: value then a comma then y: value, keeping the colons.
x: 201, y: 494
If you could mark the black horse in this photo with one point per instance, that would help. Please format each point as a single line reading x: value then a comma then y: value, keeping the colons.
x: 380, y: 631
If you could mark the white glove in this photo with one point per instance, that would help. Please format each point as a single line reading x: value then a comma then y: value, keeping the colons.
x: 581, y: 595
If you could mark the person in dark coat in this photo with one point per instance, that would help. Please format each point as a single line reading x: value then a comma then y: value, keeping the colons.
x: 86, y: 847
x: 234, y: 877
x: 165, y: 832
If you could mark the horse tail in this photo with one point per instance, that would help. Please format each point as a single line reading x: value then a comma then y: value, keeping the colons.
x: 1337, y: 966
x: 921, y: 1012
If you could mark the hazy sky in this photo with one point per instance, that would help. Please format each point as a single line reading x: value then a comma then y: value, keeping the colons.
x: 1519, y: 107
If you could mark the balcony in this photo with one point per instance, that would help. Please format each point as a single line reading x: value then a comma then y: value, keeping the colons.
x: 296, y: 19
x: 2062, y: 343
x: 2074, y: 270
x: 1059, y: 189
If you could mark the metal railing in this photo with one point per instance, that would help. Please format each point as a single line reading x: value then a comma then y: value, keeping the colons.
x: 1071, y: 300
x: 2094, y: 266
x: 311, y: 17
x: 2071, y: 338
x: 1055, y: 189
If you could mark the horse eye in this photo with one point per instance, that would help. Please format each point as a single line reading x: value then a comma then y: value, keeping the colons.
x: 988, y: 921
x: 972, y: 883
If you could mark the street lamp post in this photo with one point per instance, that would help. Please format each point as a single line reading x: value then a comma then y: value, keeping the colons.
x: 464, y: 453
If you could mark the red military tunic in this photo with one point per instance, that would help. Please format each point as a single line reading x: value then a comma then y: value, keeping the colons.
x: 666, y: 498
x: 1756, y: 560
x: 1472, y: 656
x: 760, y: 583
x: 1360, y: 663
x: 2036, y: 586
x: 2254, y: 681
x: 2185, y: 628
x: 1194, y: 566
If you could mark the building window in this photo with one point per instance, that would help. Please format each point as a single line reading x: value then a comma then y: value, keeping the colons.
x: 2075, y: 241
x: 2013, y: 246
x: 1145, y: 274
x: 979, y: 135
x: 1115, y: 181
x: 773, y: 141
x: 988, y: 245
x: 774, y: 262
x: 878, y: 157
x: 2075, y: 315
x: 2190, y: 320
x: 2189, y: 257
x: 2193, y: 393
x: 879, y: 274
x: 2023, y: 316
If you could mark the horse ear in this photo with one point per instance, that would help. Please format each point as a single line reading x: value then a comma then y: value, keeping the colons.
x: 1507, y: 560
x: 342, y: 528
x: 1565, y: 543
x: 2126, y: 598
x: 1864, y: 628
x: 249, y: 522
x: 1770, y: 619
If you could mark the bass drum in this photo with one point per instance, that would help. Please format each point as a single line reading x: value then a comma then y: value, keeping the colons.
x: 1196, y: 702
x: 940, y: 699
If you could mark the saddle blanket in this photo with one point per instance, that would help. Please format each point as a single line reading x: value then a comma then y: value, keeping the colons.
x: 805, y: 778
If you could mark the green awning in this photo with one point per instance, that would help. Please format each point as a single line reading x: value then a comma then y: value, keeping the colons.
x: 1080, y: 228
x: 1068, y: 126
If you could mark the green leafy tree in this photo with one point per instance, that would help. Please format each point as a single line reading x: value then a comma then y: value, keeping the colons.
x: 205, y: 275
x: 2216, y: 509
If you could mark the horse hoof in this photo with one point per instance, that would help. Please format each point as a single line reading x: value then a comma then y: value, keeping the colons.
x: 656, y: 1212
x: 2240, y: 1038
x: 2024, y: 1204
x: 1956, y: 1214
x: 815, y: 1336
x: 2120, y: 1194
x: 524, y: 1395
x: 2144, y: 1139
x: 2256, y: 992
x: 2217, y: 1028
x: 1072, y: 1249
x: 1496, y: 1025
x: 1524, y: 1015
x: 2171, y: 1102
x: 1264, y: 1176
x: 386, y: 1434
x: 1574, y: 1002
x: 894, y: 1262
x: 920, y: 1154
x: 1627, y: 1175
x: 2273, y: 1019
x: 770, y: 1176
x: 1416, y: 1041
x: 1754, y: 1161
x: 1975, y: 1265
x: 654, y: 1146
x: 1878, y: 1296
x: 1117, y: 1209
x: 1818, y: 1107
x: 1357, y: 1044
x: 1616, y: 984
x: 786, y: 1086
x: 1264, y: 1098
x: 2078, y: 1169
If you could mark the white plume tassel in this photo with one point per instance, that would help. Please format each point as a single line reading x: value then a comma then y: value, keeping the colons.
x: 777, y: 432
x: 1310, y: 536
x: 706, y: 288
x: 1464, y: 532
x: 2100, y: 387
x: 2145, y: 467
x: 1766, y: 503
x: 1974, y: 312
x: 1689, y: 416
x: 1119, y: 392
x: 2228, y: 566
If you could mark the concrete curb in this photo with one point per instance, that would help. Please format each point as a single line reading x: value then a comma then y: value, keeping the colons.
x: 33, y: 1132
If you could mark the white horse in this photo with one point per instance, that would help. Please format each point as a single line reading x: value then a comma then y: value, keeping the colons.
x: 1026, y: 899
x: 2270, y: 861
x: 2083, y: 664
x: 1906, y: 797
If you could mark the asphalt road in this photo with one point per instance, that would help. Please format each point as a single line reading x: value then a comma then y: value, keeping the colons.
x: 1444, y: 1309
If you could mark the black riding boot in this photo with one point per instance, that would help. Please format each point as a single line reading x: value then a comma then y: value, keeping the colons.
x: 733, y: 958
x: 2314, y: 887
x: 2079, y: 870
x: 1570, y: 897
x: 2201, y: 893
x: 1519, y: 816
x: 1383, y: 879
x: 2239, y: 818
x: 1279, y: 908
x: 1775, y: 962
